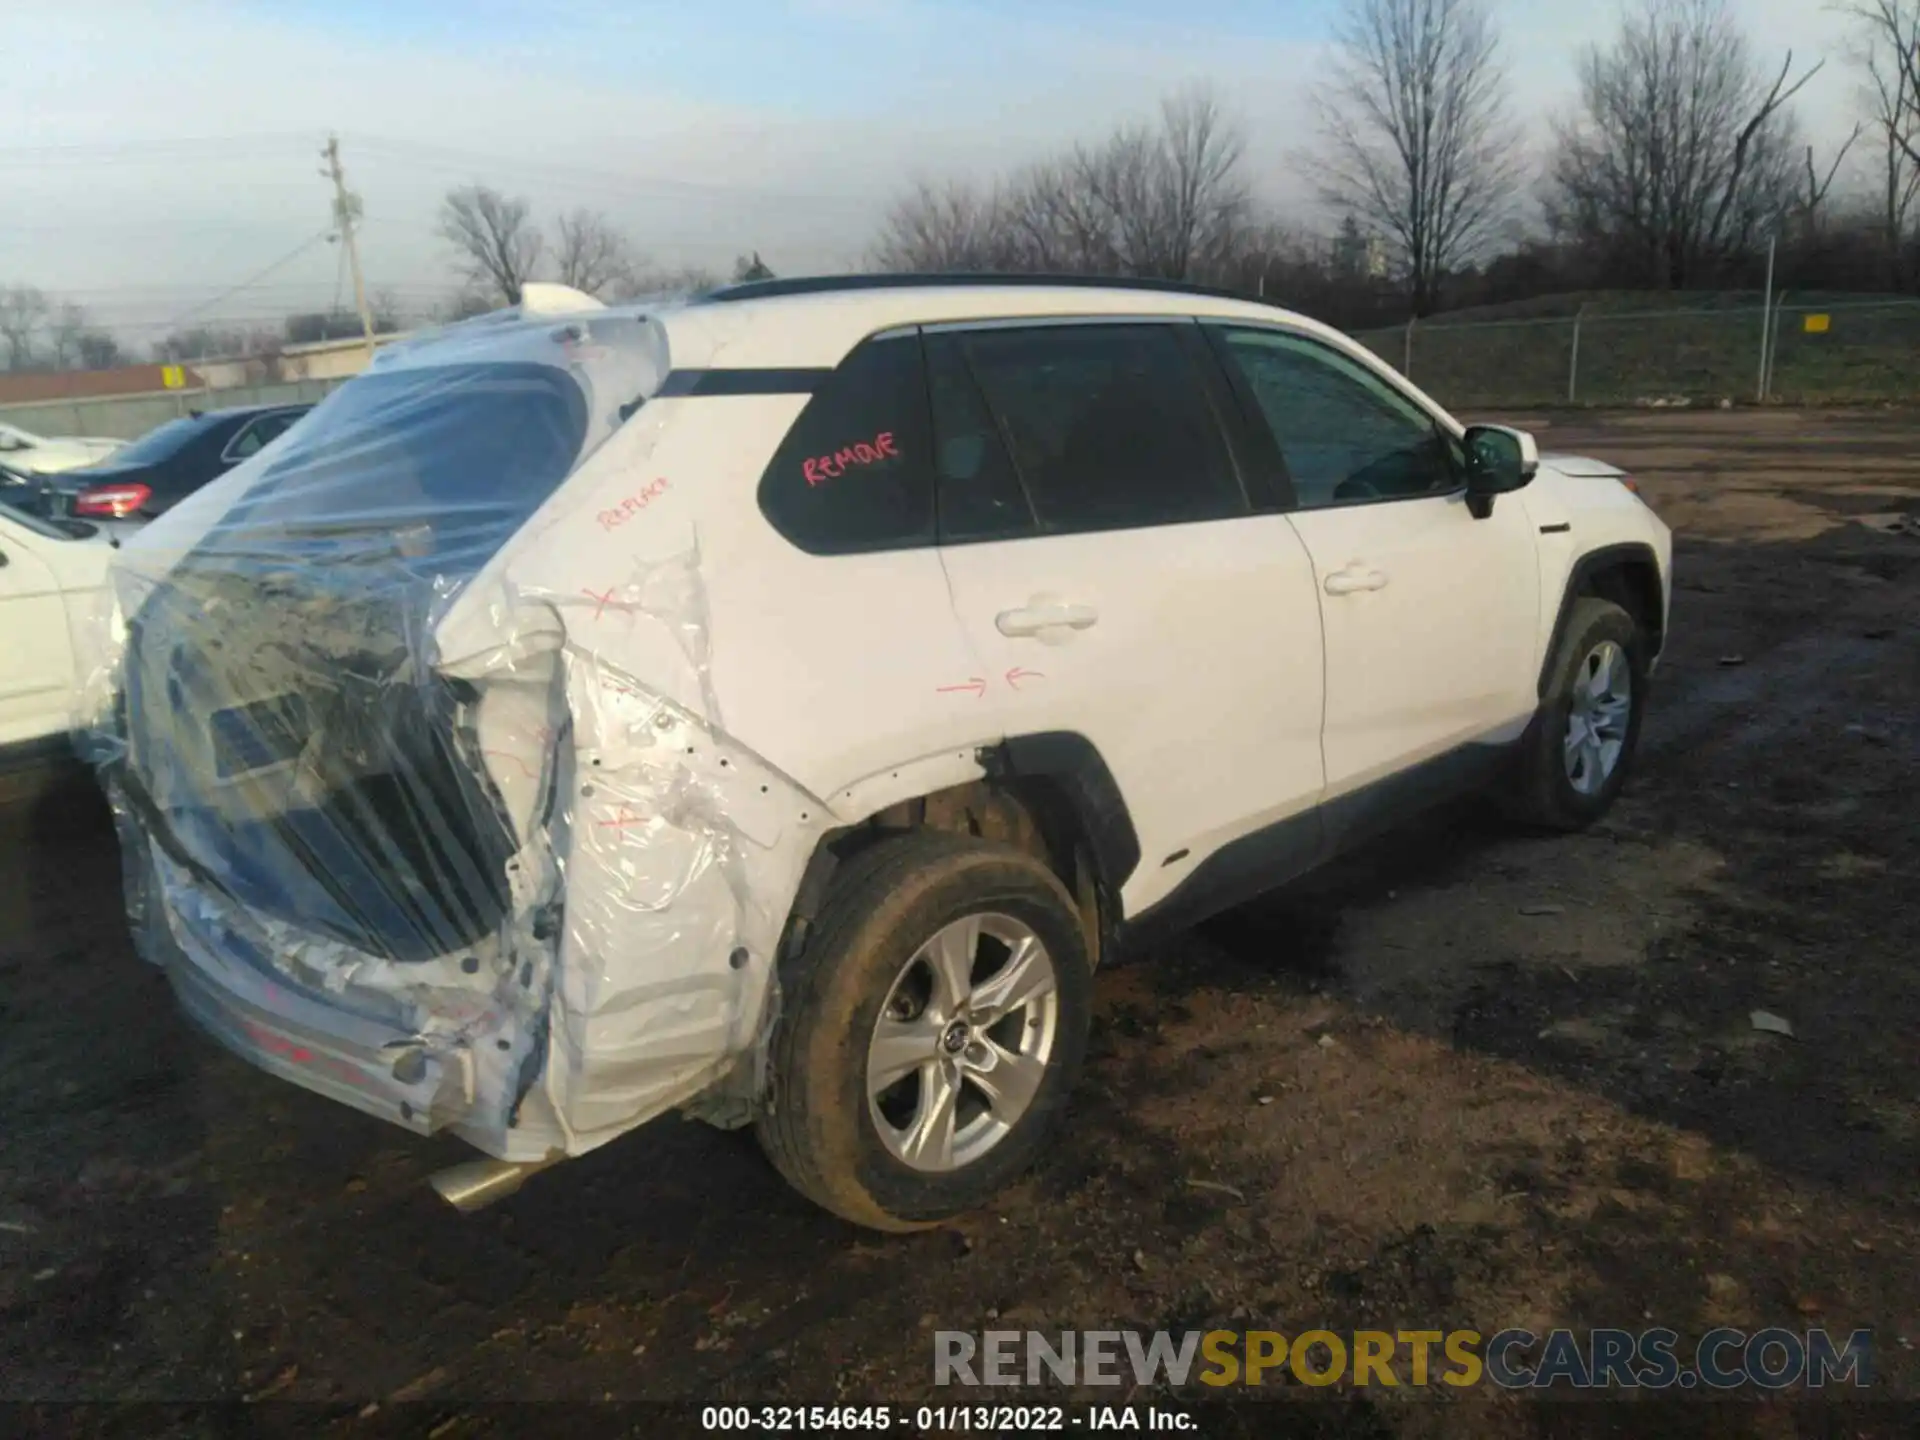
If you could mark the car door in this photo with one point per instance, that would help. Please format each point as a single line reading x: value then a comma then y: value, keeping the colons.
x: 1118, y: 581
x: 36, y: 660
x: 1430, y: 614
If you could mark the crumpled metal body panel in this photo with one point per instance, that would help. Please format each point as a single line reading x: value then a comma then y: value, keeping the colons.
x: 416, y: 814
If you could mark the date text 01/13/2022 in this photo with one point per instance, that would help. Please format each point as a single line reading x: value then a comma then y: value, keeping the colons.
x: 940, y: 1419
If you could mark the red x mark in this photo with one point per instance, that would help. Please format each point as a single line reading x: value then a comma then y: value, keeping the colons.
x: 622, y: 820
x: 605, y: 600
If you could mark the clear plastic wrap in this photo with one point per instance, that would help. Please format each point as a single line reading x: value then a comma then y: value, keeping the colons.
x: 409, y: 815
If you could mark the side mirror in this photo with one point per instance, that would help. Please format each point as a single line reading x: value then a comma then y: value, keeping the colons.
x: 1499, y: 459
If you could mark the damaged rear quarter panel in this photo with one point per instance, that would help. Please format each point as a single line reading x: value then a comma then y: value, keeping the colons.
x: 722, y: 689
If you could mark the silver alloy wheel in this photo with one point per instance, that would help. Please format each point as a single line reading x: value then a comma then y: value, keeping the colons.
x: 963, y: 1042
x: 1602, y: 705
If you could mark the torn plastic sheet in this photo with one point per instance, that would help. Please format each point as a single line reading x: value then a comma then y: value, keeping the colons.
x: 463, y: 850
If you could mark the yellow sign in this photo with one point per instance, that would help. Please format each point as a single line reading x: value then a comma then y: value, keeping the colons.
x: 173, y: 377
x: 1818, y: 324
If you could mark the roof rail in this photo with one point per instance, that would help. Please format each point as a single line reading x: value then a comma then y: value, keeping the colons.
x: 828, y: 284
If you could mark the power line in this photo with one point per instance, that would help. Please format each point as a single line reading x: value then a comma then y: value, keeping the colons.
x: 167, y: 151
x: 418, y: 153
x: 447, y: 158
x: 284, y: 260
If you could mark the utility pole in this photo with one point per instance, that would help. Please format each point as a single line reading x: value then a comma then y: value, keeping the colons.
x: 1766, y: 326
x: 346, y: 213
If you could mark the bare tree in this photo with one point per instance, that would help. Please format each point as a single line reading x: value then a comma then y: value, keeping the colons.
x: 1683, y: 152
x: 1810, y: 194
x: 1052, y: 218
x: 748, y: 268
x: 955, y: 227
x: 1887, y: 51
x: 65, y: 330
x: 218, y: 342
x: 1415, y: 137
x: 23, y: 310
x: 1164, y: 201
x: 589, y: 254
x: 494, y: 235
x: 647, y: 281
x: 1200, y: 205
x: 99, y: 351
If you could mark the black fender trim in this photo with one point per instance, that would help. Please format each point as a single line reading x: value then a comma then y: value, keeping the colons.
x: 1239, y: 871
x: 1607, y: 557
x: 1274, y: 856
x: 1073, y: 762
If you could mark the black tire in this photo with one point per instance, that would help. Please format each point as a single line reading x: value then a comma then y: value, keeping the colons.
x: 1540, y: 794
x: 883, y: 906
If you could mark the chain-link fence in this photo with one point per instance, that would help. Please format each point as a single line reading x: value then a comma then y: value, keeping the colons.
x: 1805, y: 354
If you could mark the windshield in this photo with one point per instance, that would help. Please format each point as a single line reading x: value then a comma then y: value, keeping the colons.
x: 161, y: 443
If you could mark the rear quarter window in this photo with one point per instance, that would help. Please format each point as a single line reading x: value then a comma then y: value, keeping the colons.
x: 853, y: 474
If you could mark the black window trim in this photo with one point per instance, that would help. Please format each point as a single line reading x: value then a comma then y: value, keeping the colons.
x: 1215, y: 328
x: 1217, y: 399
x: 226, y: 451
x: 792, y: 380
x: 809, y: 382
x: 940, y: 537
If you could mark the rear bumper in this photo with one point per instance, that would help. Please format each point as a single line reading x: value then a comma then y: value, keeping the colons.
x: 226, y: 988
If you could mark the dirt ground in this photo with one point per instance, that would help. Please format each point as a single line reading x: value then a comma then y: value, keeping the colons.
x: 1466, y: 1080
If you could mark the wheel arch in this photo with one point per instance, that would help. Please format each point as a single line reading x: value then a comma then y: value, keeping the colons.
x: 1626, y: 574
x: 1051, y: 794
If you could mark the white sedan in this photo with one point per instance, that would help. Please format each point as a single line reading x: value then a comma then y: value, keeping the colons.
x: 50, y: 454
x: 51, y: 574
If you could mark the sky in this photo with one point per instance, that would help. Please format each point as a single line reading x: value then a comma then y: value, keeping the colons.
x: 157, y: 156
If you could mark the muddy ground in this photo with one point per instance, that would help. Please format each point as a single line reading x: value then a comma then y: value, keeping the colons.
x: 1467, y: 1080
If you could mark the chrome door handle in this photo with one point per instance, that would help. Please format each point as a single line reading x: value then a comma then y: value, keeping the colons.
x: 1039, y: 618
x: 1353, y: 579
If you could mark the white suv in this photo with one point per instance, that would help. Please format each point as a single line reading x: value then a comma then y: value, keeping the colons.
x: 775, y: 705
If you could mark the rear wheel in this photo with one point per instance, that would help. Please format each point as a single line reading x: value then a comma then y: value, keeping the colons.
x: 930, y: 1031
x: 1575, y: 756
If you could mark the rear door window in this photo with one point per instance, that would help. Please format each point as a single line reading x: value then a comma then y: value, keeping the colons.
x: 853, y: 474
x: 1107, y: 426
x: 980, y: 494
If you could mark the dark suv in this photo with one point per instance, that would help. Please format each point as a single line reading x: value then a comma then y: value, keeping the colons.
x: 164, y: 466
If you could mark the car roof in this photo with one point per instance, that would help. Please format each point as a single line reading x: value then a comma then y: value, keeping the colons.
x: 239, y: 412
x: 815, y: 321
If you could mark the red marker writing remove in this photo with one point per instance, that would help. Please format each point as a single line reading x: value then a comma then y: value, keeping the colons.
x: 820, y: 468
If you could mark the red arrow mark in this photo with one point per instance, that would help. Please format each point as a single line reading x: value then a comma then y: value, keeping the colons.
x: 976, y: 685
x: 622, y: 820
x: 1016, y: 675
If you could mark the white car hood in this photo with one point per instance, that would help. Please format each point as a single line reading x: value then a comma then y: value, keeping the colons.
x: 1581, y: 467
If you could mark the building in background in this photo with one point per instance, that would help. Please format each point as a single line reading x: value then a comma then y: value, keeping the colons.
x: 129, y: 400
